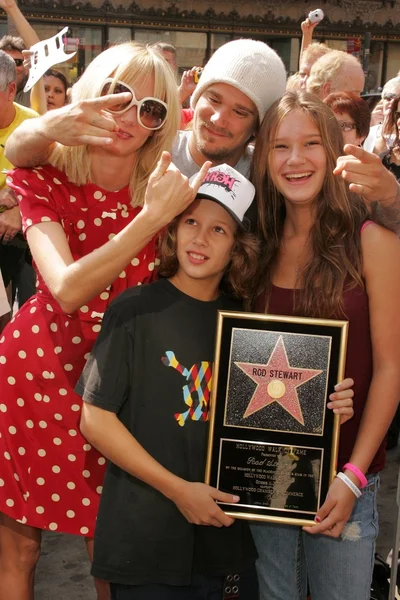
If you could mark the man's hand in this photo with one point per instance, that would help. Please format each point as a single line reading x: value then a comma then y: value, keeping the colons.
x: 10, y: 224
x: 8, y: 198
x: 367, y: 176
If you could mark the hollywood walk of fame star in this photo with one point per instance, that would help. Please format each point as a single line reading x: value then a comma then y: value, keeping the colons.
x: 277, y: 381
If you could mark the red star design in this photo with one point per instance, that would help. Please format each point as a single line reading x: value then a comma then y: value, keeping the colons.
x: 277, y: 381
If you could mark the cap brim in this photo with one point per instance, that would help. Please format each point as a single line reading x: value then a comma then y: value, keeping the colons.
x: 228, y: 210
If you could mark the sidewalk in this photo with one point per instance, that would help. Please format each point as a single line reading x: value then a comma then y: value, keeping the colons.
x: 63, y: 570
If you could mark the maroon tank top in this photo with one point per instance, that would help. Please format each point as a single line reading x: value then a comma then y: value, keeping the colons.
x: 358, y: 361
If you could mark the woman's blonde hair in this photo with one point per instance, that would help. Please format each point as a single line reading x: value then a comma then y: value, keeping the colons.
x: 131, y: 62
x: 336, y: 260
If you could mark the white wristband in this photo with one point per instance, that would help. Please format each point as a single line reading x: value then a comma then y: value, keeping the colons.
x: 352, y: 486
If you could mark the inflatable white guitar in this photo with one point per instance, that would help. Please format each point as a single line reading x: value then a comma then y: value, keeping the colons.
x: 44, y: 55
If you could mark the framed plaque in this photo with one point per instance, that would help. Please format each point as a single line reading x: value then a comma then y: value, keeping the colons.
x: 273, y: 442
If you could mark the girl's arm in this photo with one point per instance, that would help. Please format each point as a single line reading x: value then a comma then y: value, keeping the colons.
x: 195, y: 500
x: 74, y: 283
x: 381, y: 257
x: 30, y: 37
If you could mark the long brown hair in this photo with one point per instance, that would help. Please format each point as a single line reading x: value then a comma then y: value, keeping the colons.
x: 390, y: 127
x: 240, y: 274
x: 336, y: 260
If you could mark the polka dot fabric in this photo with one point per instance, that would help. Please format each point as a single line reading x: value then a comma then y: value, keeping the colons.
x: 50, y: 476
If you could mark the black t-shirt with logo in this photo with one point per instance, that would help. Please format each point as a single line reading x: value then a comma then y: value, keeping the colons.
x: 151, y: 365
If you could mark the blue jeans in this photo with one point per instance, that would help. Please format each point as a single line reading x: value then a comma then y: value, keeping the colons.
x: 337, y: 569
x: 243, y: 586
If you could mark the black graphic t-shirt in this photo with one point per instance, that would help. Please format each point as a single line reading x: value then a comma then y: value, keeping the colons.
x: 151, y: 365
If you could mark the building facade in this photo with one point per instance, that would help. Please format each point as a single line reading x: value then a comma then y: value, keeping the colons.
x: 368, y: 28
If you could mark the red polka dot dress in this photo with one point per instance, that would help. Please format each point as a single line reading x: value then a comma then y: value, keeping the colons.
x: 50, y: 476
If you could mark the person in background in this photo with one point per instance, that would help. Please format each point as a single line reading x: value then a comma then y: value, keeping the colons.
x: 24, y: 279
x: 336, y: 71
x: 14, y: 47
x: 55, y: 88
x: 169, y: 53
x: 375, y: 142
x: 352, y: 114
x: 293, y: 83
x: 391, y: 156
x: 12, y: 261
x: 188, y: 82
x: 307, y: 59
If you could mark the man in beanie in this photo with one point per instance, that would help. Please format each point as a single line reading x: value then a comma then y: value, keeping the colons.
x: 239, y: 83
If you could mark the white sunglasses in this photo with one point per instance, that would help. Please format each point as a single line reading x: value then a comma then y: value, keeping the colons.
x: 151, y: 112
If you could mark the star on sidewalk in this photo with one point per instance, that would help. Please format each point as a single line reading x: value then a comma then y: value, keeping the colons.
x: 277, y: 381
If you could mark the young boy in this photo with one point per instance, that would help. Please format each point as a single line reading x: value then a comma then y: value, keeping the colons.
x: 146, y: 388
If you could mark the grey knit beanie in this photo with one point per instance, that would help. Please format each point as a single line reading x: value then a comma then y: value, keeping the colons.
x: 250, y: 66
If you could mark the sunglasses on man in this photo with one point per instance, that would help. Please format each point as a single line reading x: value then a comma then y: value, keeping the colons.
x: 19, y: 62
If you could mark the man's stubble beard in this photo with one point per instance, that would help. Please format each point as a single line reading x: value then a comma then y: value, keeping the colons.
x: 202, y: 145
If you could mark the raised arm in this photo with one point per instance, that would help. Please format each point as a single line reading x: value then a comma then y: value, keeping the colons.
x: 368, y: 177
x: 79, y: 123
x: 74, y: 283
x: 307, y: 30
x: 30, y: 37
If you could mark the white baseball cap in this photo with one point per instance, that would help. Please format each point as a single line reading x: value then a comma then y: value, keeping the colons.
x: 228, y: 187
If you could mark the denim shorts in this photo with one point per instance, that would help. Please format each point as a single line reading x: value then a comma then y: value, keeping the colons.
x: 337, y: 569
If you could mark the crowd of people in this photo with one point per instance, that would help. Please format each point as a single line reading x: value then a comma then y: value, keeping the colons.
x: 133, y: 256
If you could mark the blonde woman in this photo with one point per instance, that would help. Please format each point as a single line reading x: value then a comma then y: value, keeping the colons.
x: 91, y: 217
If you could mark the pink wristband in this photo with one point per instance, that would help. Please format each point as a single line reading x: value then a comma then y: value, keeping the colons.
x: 357, y: 473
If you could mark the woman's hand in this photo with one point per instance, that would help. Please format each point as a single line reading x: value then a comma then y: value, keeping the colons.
x: 377, y: 114
x: 341, y: 400
x: 84, y: 122
x: 196, y: 501
x: 335, y: 511
x: 169, y: 192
